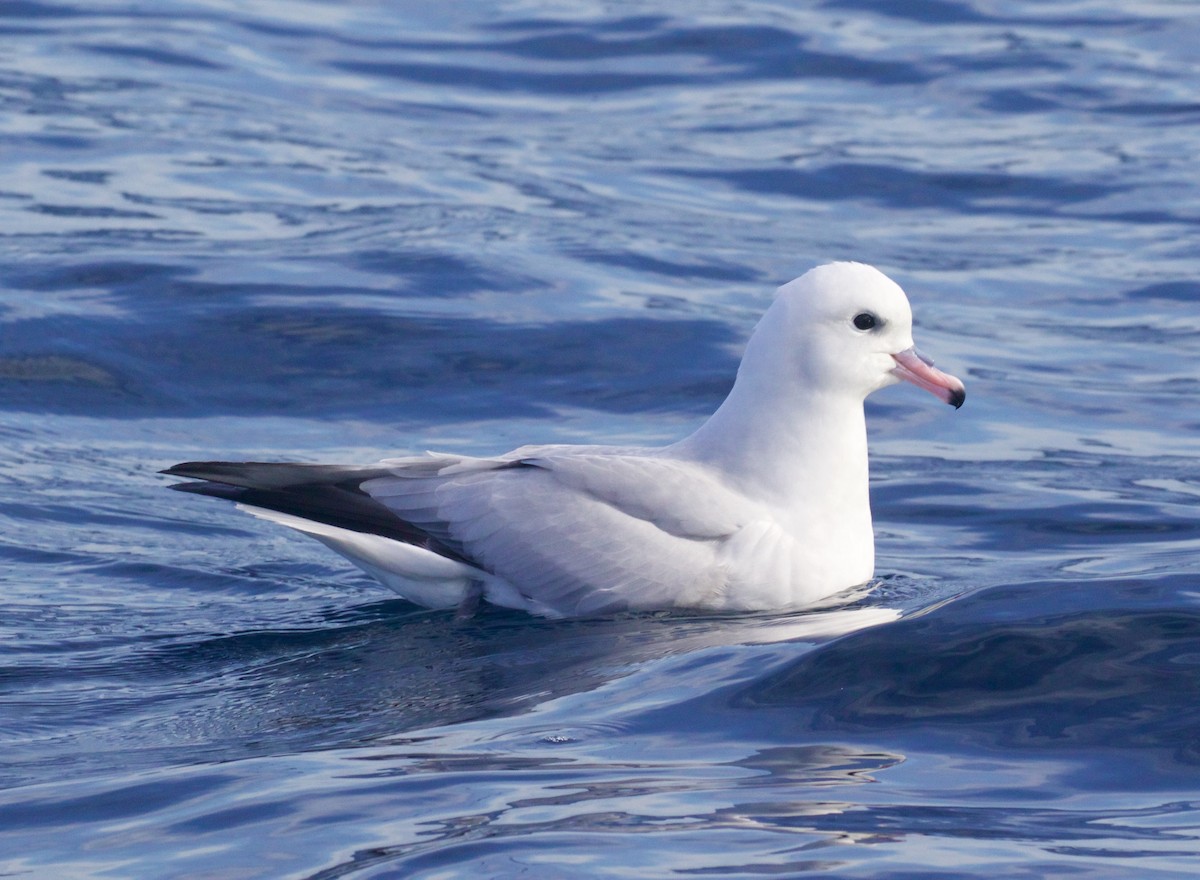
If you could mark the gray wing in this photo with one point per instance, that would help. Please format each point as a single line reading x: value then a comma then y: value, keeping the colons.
x: 578, y: 532
x: 574, y: 530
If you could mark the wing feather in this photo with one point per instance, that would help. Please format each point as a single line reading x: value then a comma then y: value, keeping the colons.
x: 577, y: 533
x: 555, y: 530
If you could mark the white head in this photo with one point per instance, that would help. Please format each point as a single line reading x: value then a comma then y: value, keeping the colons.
x: 844, y: 329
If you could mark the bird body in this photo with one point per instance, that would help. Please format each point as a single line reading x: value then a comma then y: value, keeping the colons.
x: 765, y: 506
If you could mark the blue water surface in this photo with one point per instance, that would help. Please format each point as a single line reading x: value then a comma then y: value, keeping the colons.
x: 327, y: 231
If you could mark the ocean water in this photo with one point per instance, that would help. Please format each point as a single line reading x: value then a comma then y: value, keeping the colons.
x: 327, y: 231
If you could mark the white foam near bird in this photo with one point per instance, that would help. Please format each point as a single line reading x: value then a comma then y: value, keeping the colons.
x: 765, y: 506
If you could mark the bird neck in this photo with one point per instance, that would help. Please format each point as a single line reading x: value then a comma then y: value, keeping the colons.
x: 782, y: 445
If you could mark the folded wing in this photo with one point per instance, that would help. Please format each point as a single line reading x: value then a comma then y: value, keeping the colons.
x: 550, y: 531
x: 575, y: 533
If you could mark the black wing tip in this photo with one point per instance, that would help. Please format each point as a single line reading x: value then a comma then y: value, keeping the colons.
x: 196, y: 468
x: 273, y: 474
x: 213, y: 490
x: 328, y: 494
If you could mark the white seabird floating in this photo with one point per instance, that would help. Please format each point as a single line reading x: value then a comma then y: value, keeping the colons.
x: 764, y: 507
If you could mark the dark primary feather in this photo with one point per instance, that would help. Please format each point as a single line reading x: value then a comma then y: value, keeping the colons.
x: 329, y: 494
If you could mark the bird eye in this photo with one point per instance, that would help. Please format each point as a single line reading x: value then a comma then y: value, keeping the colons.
x: 865, y: 321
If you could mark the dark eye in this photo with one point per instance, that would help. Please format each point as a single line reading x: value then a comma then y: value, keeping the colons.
x: 865, y: 321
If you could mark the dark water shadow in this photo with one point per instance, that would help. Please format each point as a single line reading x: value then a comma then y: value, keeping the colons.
x: 1100, y: 672
x: 316, y: 362
x: 706, y: 55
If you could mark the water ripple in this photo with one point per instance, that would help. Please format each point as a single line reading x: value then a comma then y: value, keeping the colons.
x: 334, y: 231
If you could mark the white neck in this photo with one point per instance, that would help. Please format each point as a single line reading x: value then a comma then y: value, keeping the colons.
x: 782, y: 447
